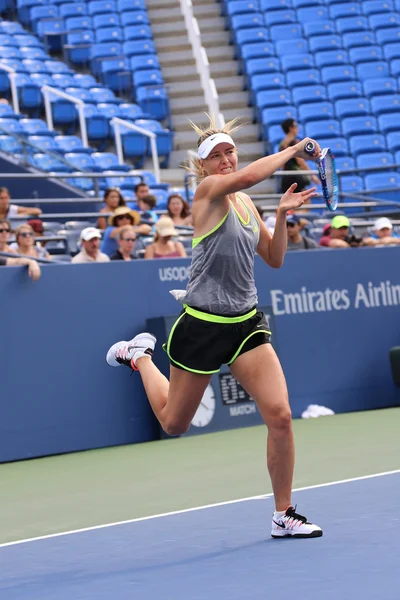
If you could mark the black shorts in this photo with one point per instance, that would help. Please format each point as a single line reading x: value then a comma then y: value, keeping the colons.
x: 201, y: 342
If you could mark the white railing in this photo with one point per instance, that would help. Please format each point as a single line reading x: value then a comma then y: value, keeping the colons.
x: 118, y: 123
x: 13, y: 84
x: 80, y: 107
x: 202, y: 64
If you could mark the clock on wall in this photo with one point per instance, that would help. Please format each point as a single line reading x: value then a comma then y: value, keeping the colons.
x: 206, y: 410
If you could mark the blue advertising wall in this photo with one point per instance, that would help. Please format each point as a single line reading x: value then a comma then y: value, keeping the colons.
x: 336, y: 315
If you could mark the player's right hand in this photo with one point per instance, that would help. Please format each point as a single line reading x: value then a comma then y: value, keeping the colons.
x: 301, y: 153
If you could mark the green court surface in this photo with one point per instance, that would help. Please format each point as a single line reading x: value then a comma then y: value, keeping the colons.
x: 73, y: 491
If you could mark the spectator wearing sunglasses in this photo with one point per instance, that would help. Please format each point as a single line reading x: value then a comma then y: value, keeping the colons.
x: 25, y: 243
x: 297, y: 241
x: 5, y: 230
x: 126, y: 244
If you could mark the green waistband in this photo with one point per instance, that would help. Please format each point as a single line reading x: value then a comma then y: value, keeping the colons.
x: 198, y: 314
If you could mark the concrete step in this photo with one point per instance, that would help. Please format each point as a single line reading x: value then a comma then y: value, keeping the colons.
x: 168, y: 29
x: 214, y: 38
x: 229, y: 84
x: 176, y: 58
x: 220, y: 53
x: 187, y: 139
x: 215, y: 23
x: 180, y: 122
x: 209, y: 10
x: 177, y: 157
x: 184, y: 88
x: 224, y: 68
x: 174, y: 43
x: 164, y: 15
x: 237, y: 100
x: 177, y: 73
x: 187, y: 105
x: 245, y: 114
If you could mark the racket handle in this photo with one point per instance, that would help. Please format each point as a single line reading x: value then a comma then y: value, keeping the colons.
x: 309, y: 147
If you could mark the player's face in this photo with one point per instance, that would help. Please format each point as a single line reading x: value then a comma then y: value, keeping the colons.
x: 222, y: 160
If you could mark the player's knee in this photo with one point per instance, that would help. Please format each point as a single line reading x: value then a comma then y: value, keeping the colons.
x: 175, y: 427
x: 281, y: 419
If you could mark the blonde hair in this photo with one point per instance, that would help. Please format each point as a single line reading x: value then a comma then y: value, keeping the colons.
x: 194, y: 165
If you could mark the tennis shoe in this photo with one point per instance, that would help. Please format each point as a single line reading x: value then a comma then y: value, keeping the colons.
x: 127, y: 353
x: 291, y: 524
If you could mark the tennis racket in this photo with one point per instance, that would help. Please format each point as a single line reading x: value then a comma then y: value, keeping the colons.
x: 327, y: 173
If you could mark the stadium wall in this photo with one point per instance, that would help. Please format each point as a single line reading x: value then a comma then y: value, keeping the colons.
x: 336, y: 315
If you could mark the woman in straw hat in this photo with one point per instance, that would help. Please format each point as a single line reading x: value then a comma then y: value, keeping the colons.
x: 122, y: 216
x: 220, y: 323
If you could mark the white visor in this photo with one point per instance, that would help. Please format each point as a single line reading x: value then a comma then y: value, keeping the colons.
x: 212, y: 141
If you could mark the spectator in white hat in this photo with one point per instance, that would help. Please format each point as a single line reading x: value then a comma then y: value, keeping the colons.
x: 90, y: 241
x: 383, y: 232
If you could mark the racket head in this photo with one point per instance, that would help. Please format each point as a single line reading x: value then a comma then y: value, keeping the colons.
x: 329, y: 179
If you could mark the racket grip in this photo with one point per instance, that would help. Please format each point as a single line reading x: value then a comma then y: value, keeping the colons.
x: 309, y: 147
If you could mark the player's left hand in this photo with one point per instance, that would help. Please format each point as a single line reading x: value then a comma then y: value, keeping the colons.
x: 290, y: 200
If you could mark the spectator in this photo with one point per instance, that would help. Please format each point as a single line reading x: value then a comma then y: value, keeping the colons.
x: 291, y: 130
x: 296, y: 241
x: 163, y: 246
x: 383, y: 233
x: 141, y: 190
x: 339, y: 235
x: 10, y: 211
x: 122, y: 216
x: 5, y: 230
x: 33, y: 266
x: 126, y: 243
x: 90, y: 241
x: 147, y: 205
x: 113, y: 199
x: 179, y: 210
x: 25, y: 243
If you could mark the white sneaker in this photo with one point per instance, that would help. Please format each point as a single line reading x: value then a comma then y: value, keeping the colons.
x: 291, y: 524
x: 126, y: 353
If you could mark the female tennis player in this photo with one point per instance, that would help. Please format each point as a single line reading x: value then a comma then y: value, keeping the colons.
x: 219, y: 323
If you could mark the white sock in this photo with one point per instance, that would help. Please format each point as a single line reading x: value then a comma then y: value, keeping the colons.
x: 139, y: 354
x: 279, y: 513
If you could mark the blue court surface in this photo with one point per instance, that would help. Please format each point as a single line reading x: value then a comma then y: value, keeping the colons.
x: 223, y: 551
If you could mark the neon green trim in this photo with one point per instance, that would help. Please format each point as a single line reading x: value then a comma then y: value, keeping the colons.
x: 198, y: 314
x: 244, y: 341
x: 196, y: 241
x: 238, y: 213
x: 191, y: 370
x: 172, y: 331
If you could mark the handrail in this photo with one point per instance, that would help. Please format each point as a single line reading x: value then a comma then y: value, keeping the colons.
x: 117, y: 122
x: 14, y: 90
x: 202, y: 64
x: 80, y: 106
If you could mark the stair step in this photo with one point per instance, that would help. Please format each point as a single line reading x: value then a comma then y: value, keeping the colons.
x: 238, y: 100
x: 184, y: 88
x: 180, y: 122
x: 245, y: 114
x: 164, y: 15
x: 187, y: 105
x: 176, y: 74
x: 224, y: 68
x: 174, y: 58
x: 173, y: 44
x: 211, y: 24
x: 229, y: 84
x: 214, y: 38
x: 168, y: 29
x: 177, y: 157
x: 220, y: 53
x: 206, y: 10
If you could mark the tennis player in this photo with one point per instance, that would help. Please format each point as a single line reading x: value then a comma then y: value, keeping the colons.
x: 220, y: 323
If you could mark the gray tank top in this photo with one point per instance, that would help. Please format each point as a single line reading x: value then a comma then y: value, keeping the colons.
x: 222, y: 271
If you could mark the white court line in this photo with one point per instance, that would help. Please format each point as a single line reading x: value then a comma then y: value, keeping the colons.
x: 188, y: 510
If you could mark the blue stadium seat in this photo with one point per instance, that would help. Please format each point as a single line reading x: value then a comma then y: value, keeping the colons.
x: 133, y: 48
x: 359, y: 125
x: 309, y: 93
x: 33, y: 53
x: 137, y: 17
x: 101, y: 7
x: 11, y: 27
x: 294, y: 62
x: 314, y: 111
x: 40, y: 79
x: 154, y: 101
x: 380, y: 86
x: 389, y: 103
x: 392, y: 50
x: 312, y: 14
x: 393, y: 141
x: 299, y: 45
x: 376, y: 159
x: 321, y: 43
x: 266, y: 5
x: 262, y: 65
x: 366, y: 144
x: 353, y: 184
x: 397, y: 157
x: 331, y: 58
x: 137, y: 32
x: 81, y: 160
x: 388, y: 36
x: 56, y: 66
x: 373, y: 7
x: 35, y: 127
x: 250, y: 35
x: 279, y: 17
x: 258, y: 50
x: 303, y: 77
x: 78, y: 47
x: 99, y: 52
x: 248, y: 21
x: 323, y: 129
x: 102, y: 94
x: 49, y: 11
x: 145, y: 61
x: 345, y: 162
x: 84, y: 81
x: 318, y: 28
x: 147, y: 78
x: 338, y: 74
x: 30, y: 97
x: 97, y: 124
x: 355, y: 107
x: 350, y: 24
x: 274, y: 135
x: 395, y: 67
x: 49, y: 164
x: 73, y: 9
x: 80, y: 93
x: 359, y: 39
x: 29, y: 41
x: 383, y: 181
x: 365, y: 55
x: 52, y: 32
x: 307, y: 3
x: 63, y: 81
x: 368, y: 70
x: 131, y: 112
x: 35, y: 66
x: 109, y: 110
x: 63, y: 111
x: 10, y: 52
x: 107, y: 161
x: 128, y: 5
x: 7, y: 40
x: 109, y: 34
x: 344, y: 9
x: 106, y: 20
x: 43, y: 142
x: 116, y: 75
x: 7, y: 112
x: 75, y: 24
x: 237, y: 7
x: 268, y: 99
x: 338, y: 146
x: 10, y: 145
x: 275, y: 116
x: 286, y: 32
x: 383, y: 20
x: 389, y: 122
x: 271, y: 81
